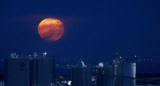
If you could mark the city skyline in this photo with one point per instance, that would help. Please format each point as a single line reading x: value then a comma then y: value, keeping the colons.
x: 91, y: 28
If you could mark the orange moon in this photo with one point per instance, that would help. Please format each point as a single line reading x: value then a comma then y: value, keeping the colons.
x: 51, y: 29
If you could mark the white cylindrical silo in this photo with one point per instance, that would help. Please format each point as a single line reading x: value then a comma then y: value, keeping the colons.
x: 125, y: 69
x: 129, y: 70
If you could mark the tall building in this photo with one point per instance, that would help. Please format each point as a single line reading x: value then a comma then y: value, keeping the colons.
x: 45, y: 72
x: 29, y: 72
x: 17, y: 72
x: 104, y: 76
x: 81, y: 76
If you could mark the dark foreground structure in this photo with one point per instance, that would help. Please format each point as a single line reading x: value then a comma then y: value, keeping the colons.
x: 33, y: 71
x: 29, y: 72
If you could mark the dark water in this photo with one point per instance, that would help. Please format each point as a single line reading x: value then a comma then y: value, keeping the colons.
x: 114, y: 81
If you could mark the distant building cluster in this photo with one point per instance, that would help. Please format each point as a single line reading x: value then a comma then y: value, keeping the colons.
x: 33, y: 71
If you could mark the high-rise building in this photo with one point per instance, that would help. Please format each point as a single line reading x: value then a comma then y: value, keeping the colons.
x: 45, y: 72
x: 17, y: 72
x: 104, y: 76
x: 81, y: 76
x: 29, y: 72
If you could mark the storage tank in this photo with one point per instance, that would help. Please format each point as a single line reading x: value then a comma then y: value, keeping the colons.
x: 123, y: 67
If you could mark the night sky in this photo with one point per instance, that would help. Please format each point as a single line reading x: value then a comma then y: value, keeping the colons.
x: 92, y: 28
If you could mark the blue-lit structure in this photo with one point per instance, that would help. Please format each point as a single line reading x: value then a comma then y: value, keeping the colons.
x: 124, y: 67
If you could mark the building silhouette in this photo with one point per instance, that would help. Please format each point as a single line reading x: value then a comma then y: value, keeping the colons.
x: 29, y: 71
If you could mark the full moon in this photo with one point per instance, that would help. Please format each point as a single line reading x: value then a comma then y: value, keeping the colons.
x: 51, y: 29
